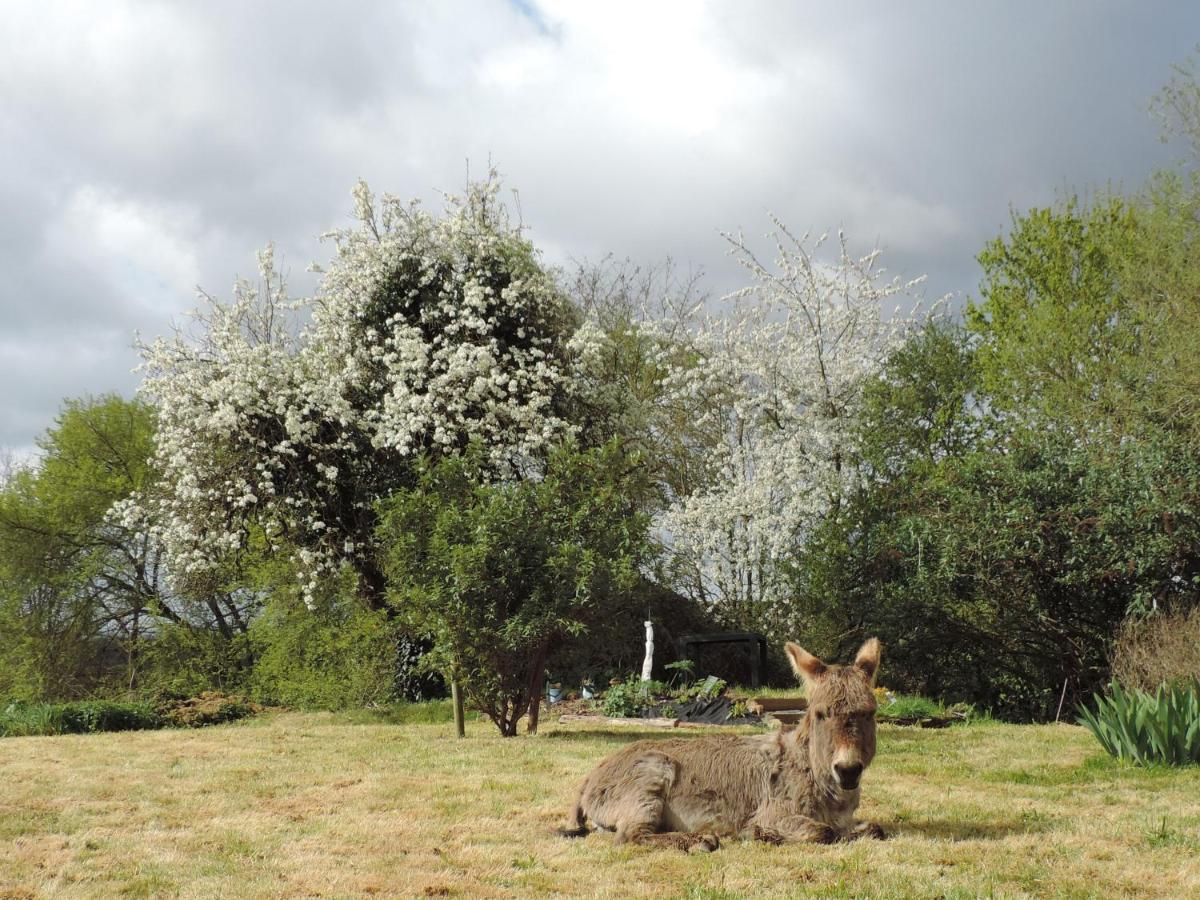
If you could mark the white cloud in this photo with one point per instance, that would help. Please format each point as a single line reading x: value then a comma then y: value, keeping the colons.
x: 144, y: 255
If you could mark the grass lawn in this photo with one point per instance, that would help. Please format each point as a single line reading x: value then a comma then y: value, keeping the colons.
x: 326, y: 805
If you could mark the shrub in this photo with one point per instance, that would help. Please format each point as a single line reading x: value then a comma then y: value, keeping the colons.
x: 337, y: 655
x: 1158, y: 649
x: 631, y: 697
x: 107, y: 715
x: 185, y: 660
x: 1163, y: 727
x: 505, y: 575
x: 83, y: 717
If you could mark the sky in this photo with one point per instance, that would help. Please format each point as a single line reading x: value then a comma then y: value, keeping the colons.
x: 152, y: 148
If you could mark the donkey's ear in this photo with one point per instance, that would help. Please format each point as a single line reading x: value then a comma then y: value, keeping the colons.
x: 868, y: 658
x: 804, y: 664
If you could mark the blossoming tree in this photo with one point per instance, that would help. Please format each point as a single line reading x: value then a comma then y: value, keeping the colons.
x: 295, y: 417
x: 776, y: 383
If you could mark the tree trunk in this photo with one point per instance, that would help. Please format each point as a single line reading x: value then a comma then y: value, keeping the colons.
x: 132, y: 658
x: 537, y: 681
x: 508, y: 719
x: 230, y: 605
x: 535, y: 703
x: 372, y: 587
x: 219, y: 617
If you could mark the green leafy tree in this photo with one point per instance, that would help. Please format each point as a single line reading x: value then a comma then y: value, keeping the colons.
x: 926, y: 404
x: 85, y: 604
x: 77, y: 590
x: 504, y: 575
x: 1161, y: 277
x: 996, y: 560
x: 922, y: 412
x: 1058, y: 336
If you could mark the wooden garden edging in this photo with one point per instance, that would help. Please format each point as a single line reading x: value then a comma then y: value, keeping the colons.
x: 568, y: 718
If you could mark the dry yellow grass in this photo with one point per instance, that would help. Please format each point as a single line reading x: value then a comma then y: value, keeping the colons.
x: 321, y: 805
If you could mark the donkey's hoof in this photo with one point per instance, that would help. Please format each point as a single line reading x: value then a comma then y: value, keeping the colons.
x: 820, y: 833
x: 705, y: 843
x: 866, y: 830
x: 767, y: 835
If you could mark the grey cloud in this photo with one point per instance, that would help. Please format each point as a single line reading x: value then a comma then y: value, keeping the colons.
x: 153, y: 146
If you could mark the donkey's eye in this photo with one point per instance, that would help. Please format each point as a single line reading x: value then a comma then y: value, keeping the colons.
x: 819, y: 713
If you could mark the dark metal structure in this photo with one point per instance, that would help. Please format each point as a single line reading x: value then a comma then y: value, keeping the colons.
x: 755, y: 643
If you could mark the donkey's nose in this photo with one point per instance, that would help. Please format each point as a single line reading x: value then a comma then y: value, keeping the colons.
x: 848, y: 774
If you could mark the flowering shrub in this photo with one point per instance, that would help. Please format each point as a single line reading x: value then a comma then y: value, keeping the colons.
x: 427, y: 333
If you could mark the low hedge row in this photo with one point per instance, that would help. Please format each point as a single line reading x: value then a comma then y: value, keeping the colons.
x: 19, y: 718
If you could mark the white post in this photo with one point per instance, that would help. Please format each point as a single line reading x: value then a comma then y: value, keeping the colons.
x: 648, y: 662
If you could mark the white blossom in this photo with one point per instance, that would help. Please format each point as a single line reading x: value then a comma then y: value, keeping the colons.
x: 427, y: 333
x: 775, y: 385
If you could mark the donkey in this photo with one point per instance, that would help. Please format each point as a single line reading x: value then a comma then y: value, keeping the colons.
x: 800, y: 784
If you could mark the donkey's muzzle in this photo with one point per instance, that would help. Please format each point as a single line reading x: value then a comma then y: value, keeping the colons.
x: 848, y: 775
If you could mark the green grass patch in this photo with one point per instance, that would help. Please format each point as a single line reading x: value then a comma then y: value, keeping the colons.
x: 427, y: 712
x: 905, y: 706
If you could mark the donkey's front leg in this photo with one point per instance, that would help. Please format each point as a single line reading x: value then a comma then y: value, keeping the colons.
x: 795, y: 829
x: 866, y: 830
x: 688, y: 841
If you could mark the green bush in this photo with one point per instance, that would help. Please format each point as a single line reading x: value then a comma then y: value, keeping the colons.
x: 631, y: 697
x: 185, y: 661
x: 1163, y: 727
x: 336, y: 656
x: 83, y: 717
x: 505, y: 576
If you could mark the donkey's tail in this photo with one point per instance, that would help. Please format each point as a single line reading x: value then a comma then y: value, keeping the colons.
x: 577, y: 823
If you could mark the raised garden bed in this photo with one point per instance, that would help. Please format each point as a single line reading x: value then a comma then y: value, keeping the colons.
x: 719, y: 710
